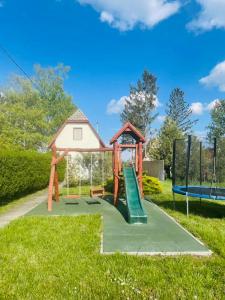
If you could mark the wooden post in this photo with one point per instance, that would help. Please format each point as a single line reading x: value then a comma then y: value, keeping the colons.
x: 140, y: 167
x: 116, y: 173
x: 119, y: 160
x: 136, y: 158
x: 56, y: 180
x: 50, y: 187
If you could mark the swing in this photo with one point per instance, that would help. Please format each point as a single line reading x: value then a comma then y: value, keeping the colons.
x: 98, y: 191
x: 68, y: 195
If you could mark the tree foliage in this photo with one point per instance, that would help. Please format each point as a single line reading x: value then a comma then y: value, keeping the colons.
x: 140, y: 105
x: 179, y: 111
x: 31, y: 113
x: 162, y: 146
x: 217, y: 126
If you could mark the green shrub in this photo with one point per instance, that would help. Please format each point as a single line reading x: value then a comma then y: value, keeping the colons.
x: 24, y: 172
x: 109, y: 185
x: 151, y: 185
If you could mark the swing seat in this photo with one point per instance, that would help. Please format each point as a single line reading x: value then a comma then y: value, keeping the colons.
x: 97, y: 192
x: 71, y: 196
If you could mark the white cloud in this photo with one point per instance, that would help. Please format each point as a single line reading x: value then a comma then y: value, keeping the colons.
x: 216, y: 77
x: 211, y: 16
x: 197, y: 108
x: 126, y: 14
x: 116, y: 106
x: 212, y: 104
x: 200, y: 134
x: 161, y: 118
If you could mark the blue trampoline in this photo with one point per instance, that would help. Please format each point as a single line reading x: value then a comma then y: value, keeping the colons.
x: 199, y: 169
x: 201, y: 192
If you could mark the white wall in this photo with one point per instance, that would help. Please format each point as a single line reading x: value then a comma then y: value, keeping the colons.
x: 65, y: 138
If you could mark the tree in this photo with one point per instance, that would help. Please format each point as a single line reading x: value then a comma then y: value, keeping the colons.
x: 161, y: 147
x: 179, y: 111
x: 140, y: 104
x: 22, y: 118
x: 31, y: 113
x: 56, y: 103
x: 217, y: 126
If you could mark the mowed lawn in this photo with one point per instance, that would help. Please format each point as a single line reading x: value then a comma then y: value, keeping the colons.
x: 58, y: 258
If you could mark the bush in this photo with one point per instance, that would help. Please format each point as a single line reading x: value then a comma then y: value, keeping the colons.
x: 24, y: 172
x: 151, y: 185
x: 109, y: 185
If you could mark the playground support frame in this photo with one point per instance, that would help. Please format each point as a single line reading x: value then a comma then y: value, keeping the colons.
x: 53, y: 180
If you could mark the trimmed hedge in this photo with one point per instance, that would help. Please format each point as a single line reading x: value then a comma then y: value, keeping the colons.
x: 151, y: 185
x: 24, y: 172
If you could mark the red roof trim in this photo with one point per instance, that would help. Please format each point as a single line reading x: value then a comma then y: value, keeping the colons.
x: 128, y: 127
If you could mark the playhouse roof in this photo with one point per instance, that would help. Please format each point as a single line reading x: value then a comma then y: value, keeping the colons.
x: 128, y: 128
x: 77, y: 117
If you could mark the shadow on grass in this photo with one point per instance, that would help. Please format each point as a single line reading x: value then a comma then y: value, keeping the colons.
x: 204, y: 208
x: 122, y: 208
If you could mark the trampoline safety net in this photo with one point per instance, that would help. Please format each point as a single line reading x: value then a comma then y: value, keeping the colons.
x: 199, y: 168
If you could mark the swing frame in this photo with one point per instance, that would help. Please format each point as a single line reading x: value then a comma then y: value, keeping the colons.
x: 53, y: 189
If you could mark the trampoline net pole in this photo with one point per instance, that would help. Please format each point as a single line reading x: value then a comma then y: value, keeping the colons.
x: 214, y: 159
x: 174, y: 162
x: 187, y: 204
x: 200, y: 169
x: 200, y: 166
x: 188, y: 161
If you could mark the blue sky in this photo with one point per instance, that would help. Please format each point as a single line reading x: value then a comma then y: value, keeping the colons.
x: 108, y: 44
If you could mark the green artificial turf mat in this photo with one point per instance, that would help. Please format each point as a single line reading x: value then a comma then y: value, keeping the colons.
x: 161, y: 235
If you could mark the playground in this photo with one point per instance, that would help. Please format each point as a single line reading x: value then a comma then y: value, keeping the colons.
x: 130, y: 224
x: 83, y: 241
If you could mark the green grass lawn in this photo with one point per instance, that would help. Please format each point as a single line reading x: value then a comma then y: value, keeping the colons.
x: 58, y: 258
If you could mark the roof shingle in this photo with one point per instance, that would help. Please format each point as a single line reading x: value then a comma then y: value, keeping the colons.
x: 78, y: 115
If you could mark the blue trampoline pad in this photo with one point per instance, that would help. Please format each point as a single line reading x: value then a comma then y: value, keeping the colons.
x: 205, y: 192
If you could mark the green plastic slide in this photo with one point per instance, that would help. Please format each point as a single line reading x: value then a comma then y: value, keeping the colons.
x: 136, y: 212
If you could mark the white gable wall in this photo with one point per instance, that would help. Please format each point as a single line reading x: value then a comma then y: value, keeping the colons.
x: 65, y: 137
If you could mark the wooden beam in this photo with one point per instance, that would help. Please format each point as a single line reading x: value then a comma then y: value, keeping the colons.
x: 102, y: 149
x: 56, y: 179
x: 136, y: 158
x: 127, y: 145
x: 50, y: 187
x: 140, y: 167
x: 57, y: 160
x: 116, y: 173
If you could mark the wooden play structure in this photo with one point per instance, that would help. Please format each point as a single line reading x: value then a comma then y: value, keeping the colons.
x: 130, y: 130
x: 137, y: 145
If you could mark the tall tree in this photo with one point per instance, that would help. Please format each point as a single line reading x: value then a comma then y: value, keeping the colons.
x: 140, y: 105
x: 31, y: 113
x: 217, y: 126
x: 55, y: 101
x: 180, y: 111
x: 161, y: 147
